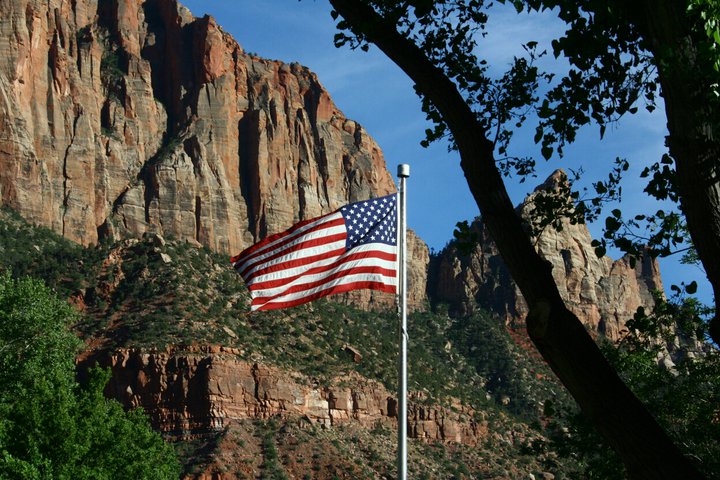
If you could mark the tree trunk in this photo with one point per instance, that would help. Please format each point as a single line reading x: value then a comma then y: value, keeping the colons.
x: 560, y: 337
x: 698, y: 175
x: 692, y: 113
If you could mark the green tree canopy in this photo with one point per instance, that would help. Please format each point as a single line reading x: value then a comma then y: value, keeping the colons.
x: 50, y: 426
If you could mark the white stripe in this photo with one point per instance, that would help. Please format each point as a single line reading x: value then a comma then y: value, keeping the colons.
x: 339, y: 281
x: 306, y: 279
x: 291, y: 272
x: 295, y: 255
x: 255, y: 259
x: 258, y: 255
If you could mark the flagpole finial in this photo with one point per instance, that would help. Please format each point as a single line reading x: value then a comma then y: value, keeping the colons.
x: 403, y: 170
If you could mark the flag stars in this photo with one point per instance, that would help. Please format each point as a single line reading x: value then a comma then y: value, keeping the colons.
x: 371, y: 221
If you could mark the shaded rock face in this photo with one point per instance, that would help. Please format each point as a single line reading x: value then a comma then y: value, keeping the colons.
x: 125, y: 117
x: 603, y: 293
x: 188, y: 393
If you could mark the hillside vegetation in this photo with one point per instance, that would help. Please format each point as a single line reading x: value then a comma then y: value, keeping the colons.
x: 51, y: 426
x: 155, y: 292
x: 152, y: 293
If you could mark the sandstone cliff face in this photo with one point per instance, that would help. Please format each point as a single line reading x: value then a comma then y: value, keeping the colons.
x: 124, y: 117
x: 190, y: 392
x: 603, y: 293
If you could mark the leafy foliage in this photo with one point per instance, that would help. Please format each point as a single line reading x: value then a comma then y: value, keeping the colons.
x: 682, y: 391
x: 51, y: 427
x: 606, y: 71
x: 707, y: 17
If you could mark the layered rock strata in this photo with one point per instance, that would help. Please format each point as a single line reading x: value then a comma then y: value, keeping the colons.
x: 125, y: 117
x: 191, y: 392
x: 603, y: 293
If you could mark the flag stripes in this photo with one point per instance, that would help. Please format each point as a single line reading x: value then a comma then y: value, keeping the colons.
x: 350, y: 260
x: 318, y: 257
x: 274, y: 244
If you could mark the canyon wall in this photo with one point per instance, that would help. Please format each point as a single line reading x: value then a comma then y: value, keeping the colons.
x: 123, y: 117
x: 603, y: 293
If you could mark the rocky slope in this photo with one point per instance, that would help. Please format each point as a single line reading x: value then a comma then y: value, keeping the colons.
x: 196, y: 393
x: 125, y: 117
x: 602, y: 292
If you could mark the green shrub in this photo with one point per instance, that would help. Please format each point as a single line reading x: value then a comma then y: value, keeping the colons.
x: 50, y: 426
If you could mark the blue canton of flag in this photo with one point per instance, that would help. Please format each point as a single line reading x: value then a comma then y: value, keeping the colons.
x: 371, y: 221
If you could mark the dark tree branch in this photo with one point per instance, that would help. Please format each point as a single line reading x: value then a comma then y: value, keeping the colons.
x: 646, y: 450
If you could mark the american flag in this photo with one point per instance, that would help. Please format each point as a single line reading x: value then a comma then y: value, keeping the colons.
x: 352, y: 248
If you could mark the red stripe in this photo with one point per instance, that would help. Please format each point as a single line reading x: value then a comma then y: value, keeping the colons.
x: 383, y: 287
x: 245, y: 254
x: 274, y: 237
x: 308, y: 286
x: 391, y: 257
x: 244, y: 258
x: 315, y: 242
x: 297, y: 262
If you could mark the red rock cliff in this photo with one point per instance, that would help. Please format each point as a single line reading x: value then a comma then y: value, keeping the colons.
x: 124, y: 117
x: 190, y: 392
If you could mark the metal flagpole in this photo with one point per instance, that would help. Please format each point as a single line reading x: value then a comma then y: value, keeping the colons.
x: 403, y: 173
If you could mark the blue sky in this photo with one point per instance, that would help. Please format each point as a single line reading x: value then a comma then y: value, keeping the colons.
x: 371, y: 90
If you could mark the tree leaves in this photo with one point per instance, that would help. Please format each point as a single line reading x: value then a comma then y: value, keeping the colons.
x: 466, y: 238
x: 51, y: 427
x: 707, y: 16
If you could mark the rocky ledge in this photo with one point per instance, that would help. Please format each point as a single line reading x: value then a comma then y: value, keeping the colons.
x: 192, y: 391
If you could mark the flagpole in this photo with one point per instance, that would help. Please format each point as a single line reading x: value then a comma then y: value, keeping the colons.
x: 403, y: 173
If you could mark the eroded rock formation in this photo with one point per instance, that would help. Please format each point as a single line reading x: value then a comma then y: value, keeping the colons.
x: 125, y: 117
x: 191, y: 391
x: 603, y: 293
